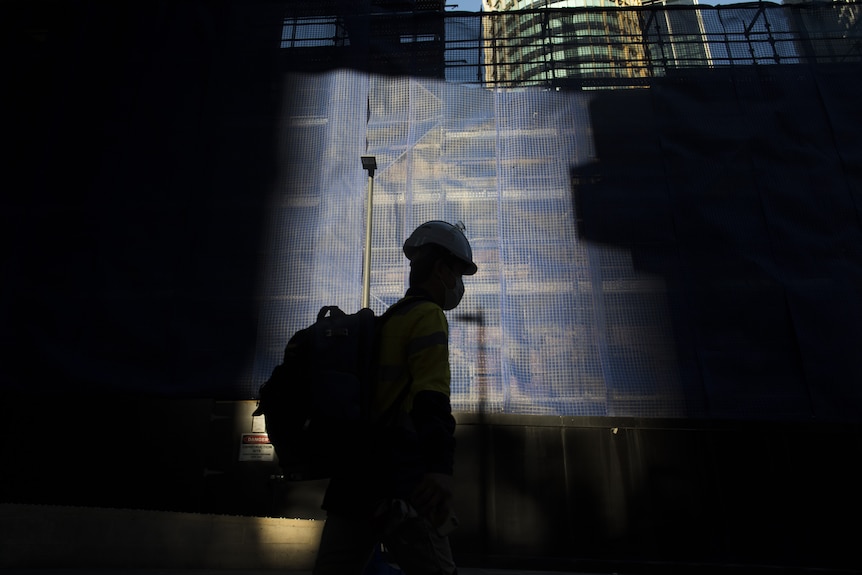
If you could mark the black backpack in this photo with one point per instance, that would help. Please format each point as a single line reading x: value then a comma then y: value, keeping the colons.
x: 317, y: 402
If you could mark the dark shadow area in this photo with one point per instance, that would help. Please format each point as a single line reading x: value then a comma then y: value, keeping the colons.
x: 141, y: 150
x: 657, y: 496
x: 105, y: 452
x: 741, y: 189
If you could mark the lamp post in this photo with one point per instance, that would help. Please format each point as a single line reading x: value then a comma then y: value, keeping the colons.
x: 368, y: 163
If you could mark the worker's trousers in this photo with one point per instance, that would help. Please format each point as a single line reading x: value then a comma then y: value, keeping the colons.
x: 348, y: 543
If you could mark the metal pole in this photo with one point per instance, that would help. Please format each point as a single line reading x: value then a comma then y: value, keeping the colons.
x: 369, y: 163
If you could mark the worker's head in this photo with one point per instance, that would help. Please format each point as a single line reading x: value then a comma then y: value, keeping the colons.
x: 439, y: 255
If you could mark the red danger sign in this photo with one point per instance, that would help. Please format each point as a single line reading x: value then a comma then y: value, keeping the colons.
x: 255, y: 439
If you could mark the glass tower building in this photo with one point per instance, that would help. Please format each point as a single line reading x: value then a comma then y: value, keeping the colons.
x: 559, y: 44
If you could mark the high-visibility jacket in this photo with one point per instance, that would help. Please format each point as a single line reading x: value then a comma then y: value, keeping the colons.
x: 414, y: 373
x: 414, y: 353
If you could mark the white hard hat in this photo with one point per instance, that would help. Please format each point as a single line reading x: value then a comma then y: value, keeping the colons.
x: 445, y: 235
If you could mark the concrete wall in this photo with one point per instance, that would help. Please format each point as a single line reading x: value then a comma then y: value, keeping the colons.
x: 164, y: 484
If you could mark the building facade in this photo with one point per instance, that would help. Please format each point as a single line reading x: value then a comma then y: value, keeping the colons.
x: 563, y: 43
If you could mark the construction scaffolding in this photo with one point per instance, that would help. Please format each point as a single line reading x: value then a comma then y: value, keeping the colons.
x: 601, y: 217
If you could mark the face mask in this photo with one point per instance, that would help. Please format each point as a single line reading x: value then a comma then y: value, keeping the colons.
x: 452, y: 296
